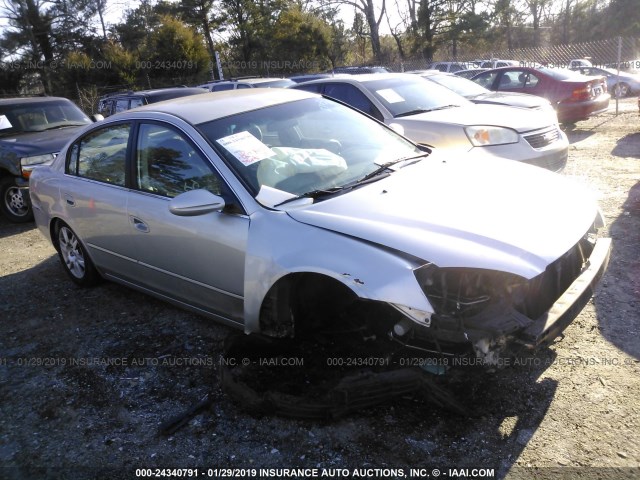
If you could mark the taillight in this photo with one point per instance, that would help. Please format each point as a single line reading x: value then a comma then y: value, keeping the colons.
x: 582, y: 93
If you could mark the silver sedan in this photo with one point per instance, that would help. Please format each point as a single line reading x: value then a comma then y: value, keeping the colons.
x: 285, y: 213
x: 433, y: 115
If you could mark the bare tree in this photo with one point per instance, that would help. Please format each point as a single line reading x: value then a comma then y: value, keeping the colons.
x: 398, y: 29
x: 373, y: 17
x: 101, y: 6
x: 537, y: 9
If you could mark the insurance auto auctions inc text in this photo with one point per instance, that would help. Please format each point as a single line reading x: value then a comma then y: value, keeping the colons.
x: 304, y: 473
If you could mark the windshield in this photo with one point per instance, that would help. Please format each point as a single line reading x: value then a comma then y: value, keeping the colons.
x: 39, y: 116
x: 413, y: 94
x: 460, y: 85
x: 304, y: 146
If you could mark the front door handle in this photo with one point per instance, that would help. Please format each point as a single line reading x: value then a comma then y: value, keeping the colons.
x: 139, y: 225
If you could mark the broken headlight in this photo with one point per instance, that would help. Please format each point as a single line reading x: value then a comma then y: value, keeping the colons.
x: 465, y: 292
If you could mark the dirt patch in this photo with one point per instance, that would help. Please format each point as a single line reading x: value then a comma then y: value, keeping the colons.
x: 88, y: 377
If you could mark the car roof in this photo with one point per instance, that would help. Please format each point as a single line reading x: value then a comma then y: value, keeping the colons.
x: 431, y: 73
x: 262, y: 79
x: 214, y: 105
x: 246, y: 80
x: 153, y: 92
x: 22, y: 100
x: 361, y: 68
x: 364, y: 78
x: 513, y: 67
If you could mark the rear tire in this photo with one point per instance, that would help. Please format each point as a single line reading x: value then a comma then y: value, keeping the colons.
x: 15, y: 203
x: 74, y: 258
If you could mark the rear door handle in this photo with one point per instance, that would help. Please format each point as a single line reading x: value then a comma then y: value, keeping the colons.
x: 69, y: 199
x: 139, y: 224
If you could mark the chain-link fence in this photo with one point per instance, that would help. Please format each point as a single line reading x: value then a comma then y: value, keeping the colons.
x: 622, y: 51
x: 601, y: 53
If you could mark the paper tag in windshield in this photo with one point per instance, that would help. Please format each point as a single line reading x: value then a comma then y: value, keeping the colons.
x: 390, y: 95
x: 246, y: 148
x: 4, y: 122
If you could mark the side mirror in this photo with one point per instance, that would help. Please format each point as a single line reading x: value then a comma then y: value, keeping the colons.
x: 196, y: 202
x: 97, y: 117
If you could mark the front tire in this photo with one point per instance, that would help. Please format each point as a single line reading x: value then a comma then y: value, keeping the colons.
x: 15, y: 204
x: 74, y: 258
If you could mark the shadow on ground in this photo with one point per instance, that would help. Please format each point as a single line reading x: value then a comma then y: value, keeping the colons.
x: 622, y: 280
x: 627, y: 146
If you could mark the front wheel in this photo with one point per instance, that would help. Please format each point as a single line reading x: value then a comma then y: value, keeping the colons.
x: 74, y: 258
x: 15, y: 203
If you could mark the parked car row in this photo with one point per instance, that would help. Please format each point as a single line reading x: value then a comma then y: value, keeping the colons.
x: 463, y: 119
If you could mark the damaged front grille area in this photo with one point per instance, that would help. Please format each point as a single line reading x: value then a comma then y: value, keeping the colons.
x: 465, y: 292
x: 474, y: 304
x: 546, y: 288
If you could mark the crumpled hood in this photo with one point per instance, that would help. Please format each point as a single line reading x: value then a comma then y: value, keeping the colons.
x: 39, y: 143
x: 495, y: 214
x: 521, y: 120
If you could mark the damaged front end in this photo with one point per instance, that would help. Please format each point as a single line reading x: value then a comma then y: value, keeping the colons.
x: 492, y: 314
x: 347, y: 353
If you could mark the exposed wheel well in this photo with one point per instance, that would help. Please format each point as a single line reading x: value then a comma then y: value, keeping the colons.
x: 300, y: 304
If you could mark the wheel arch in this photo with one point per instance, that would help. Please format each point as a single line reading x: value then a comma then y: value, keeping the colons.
x: 295, y: 295
x: 54, y: 224
x: 91, y: 275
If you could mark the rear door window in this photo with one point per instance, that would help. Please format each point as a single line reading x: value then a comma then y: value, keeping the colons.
x: 101, y: 155
x: 122, y: 105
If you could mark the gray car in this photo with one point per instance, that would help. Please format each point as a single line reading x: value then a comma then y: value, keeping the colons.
x: 32, y: 132
x: 620, y: 84
x: 435, y: 116
x: 287, y: 214
x: 120, y: 101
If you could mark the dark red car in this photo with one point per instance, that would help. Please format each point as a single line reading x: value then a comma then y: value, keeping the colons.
x: 574, y: 96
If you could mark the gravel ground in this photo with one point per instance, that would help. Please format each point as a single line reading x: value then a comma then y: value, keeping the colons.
x: 87, y: 377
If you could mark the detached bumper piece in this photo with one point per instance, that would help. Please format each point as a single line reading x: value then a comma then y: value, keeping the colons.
x: 269, y: 391
x: 552, y: 323
x: 353, y: 393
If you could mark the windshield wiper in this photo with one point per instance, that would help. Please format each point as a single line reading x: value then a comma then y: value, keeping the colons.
x: 377, y: 174
x: 62, y: 126
x: 424, y: 110
x: 316, y: 194
x: 413, y: 112
x: 385, y: 166
x: 444, y: 107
